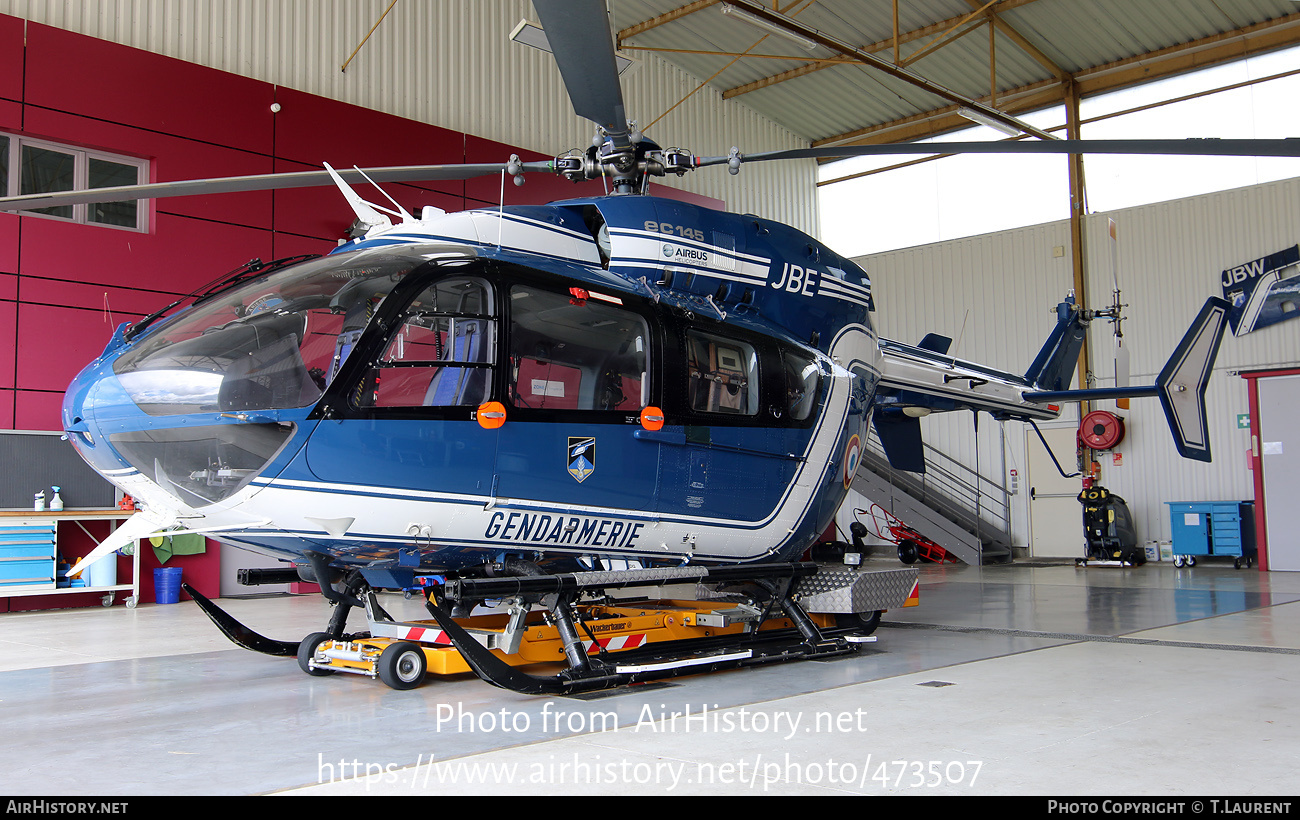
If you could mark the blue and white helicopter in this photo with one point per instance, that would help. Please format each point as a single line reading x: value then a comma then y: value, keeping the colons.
x: 555, y: 398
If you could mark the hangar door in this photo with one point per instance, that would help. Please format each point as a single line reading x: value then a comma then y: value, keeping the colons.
x: 1280, y: 455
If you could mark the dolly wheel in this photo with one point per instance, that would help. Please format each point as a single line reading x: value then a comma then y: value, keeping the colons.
x: 907, y: 551
x: 402, y: 665
x: 864, y: 622
x: 307, y: 649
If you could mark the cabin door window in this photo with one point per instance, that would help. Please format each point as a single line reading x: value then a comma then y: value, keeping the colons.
x: 442, y: 352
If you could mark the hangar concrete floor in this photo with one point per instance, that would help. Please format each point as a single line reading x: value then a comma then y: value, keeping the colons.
x: 1050, y: 680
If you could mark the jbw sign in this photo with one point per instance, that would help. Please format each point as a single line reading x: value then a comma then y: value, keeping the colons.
x: 1264, y: 291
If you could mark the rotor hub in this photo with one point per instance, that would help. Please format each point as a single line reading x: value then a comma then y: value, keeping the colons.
x: 627, y: 161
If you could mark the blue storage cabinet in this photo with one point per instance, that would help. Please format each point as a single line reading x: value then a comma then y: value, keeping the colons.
x: 1218, y: 528
x: 27, y: 554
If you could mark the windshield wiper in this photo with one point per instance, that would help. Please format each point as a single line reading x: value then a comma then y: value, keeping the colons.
x: 222, y: 283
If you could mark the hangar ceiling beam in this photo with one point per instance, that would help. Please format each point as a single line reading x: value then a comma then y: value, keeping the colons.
x: 885, y: 67
x: 936, y: 44
x: 663, y: 19
x: 1022, y: 42
x: 1203, y: 53
x: 945, y: 38
x: 890, y: 44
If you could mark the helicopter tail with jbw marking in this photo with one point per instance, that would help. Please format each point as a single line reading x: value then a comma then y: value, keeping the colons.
x: 919, y: 380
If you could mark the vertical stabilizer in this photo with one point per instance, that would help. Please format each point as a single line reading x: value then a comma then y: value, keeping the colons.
x: 900, y: 435
x: 1054, y: 366
x: 1184, y: 378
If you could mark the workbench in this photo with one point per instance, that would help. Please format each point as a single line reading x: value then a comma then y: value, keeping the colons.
x: 29, y: 554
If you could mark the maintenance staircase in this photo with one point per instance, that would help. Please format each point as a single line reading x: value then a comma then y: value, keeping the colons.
x: 966, y: 513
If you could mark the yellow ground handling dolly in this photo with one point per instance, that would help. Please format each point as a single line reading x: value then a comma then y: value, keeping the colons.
x: 586, y: 640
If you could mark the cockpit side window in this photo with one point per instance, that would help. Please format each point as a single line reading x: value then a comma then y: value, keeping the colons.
x: 722, y: 375
x: 802, y: 379
x: 576, y: 353
x: 443, y: 352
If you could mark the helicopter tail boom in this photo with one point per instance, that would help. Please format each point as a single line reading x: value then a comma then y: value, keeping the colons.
x: 918, y: 381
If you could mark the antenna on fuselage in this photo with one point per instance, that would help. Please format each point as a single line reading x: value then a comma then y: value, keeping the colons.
x: 367, y: 214
x: 402, y: 212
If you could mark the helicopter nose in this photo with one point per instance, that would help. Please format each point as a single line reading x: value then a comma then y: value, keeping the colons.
x: 91, y: 402
x: 76, y: 415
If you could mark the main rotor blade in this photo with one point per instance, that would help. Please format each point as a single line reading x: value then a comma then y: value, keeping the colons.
x: 1197, y: 147
x: 578, y: 32
x: 263, y: 182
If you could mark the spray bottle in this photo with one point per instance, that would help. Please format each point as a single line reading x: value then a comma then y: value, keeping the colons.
x: 56, y: 503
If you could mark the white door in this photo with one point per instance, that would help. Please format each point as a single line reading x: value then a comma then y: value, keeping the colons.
x: 1055, y: 514
x: 1279, y: 443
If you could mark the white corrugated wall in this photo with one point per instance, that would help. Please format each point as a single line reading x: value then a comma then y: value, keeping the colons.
x: 1003, y: 287
x: 1171, y: 256
x: 448, y: 63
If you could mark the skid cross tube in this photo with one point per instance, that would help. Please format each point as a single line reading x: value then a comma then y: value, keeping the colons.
x: 572, y: 582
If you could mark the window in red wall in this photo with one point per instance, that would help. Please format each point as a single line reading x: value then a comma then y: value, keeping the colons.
x: 40, y: 167
x: 4, y: 163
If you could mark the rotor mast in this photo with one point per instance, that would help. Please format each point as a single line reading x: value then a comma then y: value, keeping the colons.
x: 627, y: 166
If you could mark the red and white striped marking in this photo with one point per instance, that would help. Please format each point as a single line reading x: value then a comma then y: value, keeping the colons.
x: 434, y: 636
x: 615, y: 643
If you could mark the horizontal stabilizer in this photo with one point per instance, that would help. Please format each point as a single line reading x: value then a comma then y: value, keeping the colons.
x: 1185, y: 376
x: 900, y: 435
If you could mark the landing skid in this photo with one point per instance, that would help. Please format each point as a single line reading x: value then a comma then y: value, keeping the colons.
x: 655, y: 661
x: 237, y: 632
x: 744, y: 617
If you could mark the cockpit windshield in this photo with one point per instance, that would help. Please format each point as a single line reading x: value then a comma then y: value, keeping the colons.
x: 274, y: 342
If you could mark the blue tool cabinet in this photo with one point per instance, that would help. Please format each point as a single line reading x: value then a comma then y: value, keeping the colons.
x: 1219, y: 528
x: 27, y: 552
